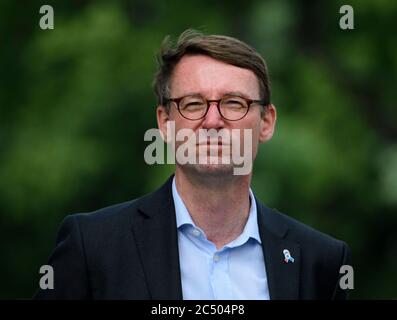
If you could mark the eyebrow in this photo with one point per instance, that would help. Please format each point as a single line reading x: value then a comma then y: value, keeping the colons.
x: 234, y: 93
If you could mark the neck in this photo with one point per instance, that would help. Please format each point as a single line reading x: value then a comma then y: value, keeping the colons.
x: 219, y: 205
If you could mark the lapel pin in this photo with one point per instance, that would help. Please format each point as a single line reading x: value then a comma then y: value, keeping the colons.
x: 287, y: 256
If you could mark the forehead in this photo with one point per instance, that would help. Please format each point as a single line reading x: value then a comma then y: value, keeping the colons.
x: 212, y: 78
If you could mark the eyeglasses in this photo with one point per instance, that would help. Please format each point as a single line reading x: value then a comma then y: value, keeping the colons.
x: 230, y: 107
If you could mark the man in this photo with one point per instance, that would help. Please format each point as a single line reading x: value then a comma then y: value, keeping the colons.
x: 203, y: 234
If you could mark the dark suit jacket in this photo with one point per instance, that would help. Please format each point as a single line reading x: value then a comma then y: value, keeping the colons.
x: 130, y: 251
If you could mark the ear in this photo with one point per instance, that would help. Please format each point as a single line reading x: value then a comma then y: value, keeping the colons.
x: 163, y: 117
x: 268, y: 123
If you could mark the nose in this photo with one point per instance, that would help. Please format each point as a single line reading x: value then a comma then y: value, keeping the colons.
x: 213, y: 119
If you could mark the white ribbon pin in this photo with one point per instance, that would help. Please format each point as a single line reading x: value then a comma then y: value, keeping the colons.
x: 287, y: 256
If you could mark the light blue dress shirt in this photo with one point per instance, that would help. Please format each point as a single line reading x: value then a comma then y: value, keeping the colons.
x: 236, y: 271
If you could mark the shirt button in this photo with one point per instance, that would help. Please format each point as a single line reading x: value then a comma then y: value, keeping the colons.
x: 196, y: 233
x: 216, y: 258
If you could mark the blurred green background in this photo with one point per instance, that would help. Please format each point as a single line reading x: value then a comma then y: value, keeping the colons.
x: 75, y: 103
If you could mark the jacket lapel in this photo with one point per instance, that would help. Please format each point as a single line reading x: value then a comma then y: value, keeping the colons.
x: 156, y: 235
x: 282, y: 277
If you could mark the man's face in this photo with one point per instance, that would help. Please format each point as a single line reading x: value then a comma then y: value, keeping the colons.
x: 212, y: 79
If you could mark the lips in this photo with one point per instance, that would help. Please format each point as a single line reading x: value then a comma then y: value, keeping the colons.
x: 213, y: 143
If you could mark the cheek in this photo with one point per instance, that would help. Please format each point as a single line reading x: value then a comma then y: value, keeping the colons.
x: 184, y: 127
x: 253, y: 123
x: 255, y: 126
x: 247, y: 135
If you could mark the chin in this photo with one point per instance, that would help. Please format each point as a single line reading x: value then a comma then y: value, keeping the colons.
x: 211, y: 170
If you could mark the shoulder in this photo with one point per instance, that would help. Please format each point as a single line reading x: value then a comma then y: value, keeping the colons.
x: 154, y: 201
x: 303, y: 234
x: 117, y: 218
x: 114, y: 212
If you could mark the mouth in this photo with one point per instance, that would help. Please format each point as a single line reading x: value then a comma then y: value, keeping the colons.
x: 213, y: 143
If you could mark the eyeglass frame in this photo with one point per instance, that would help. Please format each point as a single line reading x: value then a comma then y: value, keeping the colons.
x: 262, y: 103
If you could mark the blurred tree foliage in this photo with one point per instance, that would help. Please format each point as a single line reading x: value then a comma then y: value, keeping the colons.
x: 75, y: 103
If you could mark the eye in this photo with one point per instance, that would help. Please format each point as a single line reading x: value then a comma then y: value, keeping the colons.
x: 234, y: 103
x: 192, y: 103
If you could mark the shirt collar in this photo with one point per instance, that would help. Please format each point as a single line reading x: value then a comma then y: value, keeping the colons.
x: 183, y: 217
